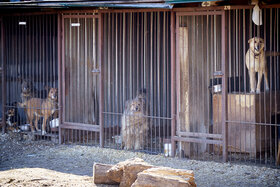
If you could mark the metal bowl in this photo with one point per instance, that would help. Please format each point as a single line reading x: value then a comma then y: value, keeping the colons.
x: 54, y: 123
x: 217, y: 88
x: 25, y: 127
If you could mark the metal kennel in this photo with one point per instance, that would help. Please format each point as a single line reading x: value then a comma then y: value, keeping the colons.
x: 30, y: 55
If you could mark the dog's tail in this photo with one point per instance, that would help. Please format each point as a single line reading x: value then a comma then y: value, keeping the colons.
x: 272, y: 53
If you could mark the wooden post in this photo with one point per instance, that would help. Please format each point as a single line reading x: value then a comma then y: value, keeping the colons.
x: 184, y: 95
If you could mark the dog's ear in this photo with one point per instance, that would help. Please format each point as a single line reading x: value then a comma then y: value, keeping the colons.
x: 250, y: 40
x: 19, y: 78
x: 47, y: 88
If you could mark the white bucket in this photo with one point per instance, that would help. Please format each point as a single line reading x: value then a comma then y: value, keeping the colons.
x: 167, y: 149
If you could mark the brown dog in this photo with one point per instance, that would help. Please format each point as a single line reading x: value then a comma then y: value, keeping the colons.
x: 256, y: 62
x: 36, y: 108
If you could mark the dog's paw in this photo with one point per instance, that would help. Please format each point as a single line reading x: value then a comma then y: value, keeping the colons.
x: 258, y: 91
x: 44, y: 132
x: 252, y: 91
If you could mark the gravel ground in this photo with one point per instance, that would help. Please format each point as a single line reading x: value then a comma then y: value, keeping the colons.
x: 42, y: 163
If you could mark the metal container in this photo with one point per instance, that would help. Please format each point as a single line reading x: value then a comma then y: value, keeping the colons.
x: 217, y: 88
x: 24, y: 127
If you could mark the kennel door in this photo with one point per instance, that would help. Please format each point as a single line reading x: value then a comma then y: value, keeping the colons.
x: 199, y: 45
x: 81, y: 70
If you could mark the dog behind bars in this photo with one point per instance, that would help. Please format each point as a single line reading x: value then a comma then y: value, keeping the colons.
x: 134, y: 123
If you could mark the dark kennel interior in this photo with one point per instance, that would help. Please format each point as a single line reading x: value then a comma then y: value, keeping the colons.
x: 30, y: 55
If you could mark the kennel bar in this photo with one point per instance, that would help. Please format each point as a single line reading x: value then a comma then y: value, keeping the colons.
x: 173, y: 84
x: 224, y: 90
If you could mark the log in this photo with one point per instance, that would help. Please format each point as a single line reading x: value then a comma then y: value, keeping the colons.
x: 126, y: 172
x: 100, y: 174
x: 163, y: 176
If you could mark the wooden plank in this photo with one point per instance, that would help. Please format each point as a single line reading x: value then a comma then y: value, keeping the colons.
x: 198, y: 140
x: 202, y: 135
x: 80, y: 126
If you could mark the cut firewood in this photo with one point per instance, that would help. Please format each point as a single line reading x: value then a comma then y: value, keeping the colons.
x: 126, y: 172
x: 167, y: 177
x: 100, y: 174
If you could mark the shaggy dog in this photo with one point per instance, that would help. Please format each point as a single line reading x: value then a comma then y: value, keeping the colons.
x: 134, y: 123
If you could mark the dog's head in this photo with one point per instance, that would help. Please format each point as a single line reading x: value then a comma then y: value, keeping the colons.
x: 11, y: 112
x: 53, y: 94
x: 26, y: 87
x: 135, y: 106
x: 256, y: 45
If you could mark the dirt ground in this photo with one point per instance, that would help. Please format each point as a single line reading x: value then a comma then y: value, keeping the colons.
x: 43, y: 163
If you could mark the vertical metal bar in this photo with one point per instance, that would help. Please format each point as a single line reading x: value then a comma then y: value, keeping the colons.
x: 101, y: 98
x: 60, y: 39
x: 270, y: 86
x: 164, y: 74
x: 62, y: 82
x: 173, y: 84
x: 117, y: 72
x: 151, y: 73
x: 276, y: 72
x: 224, y: 91
x: 158, y: 60
x: 244, y: 72
x: 3, y: 59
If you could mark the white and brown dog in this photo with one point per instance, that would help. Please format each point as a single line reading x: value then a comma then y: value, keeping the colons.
x: 256, y: 62
x: 134, y: 122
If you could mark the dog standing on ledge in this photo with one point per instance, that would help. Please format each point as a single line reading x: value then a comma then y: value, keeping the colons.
x: 36, y: 108
x: 256, y: 62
